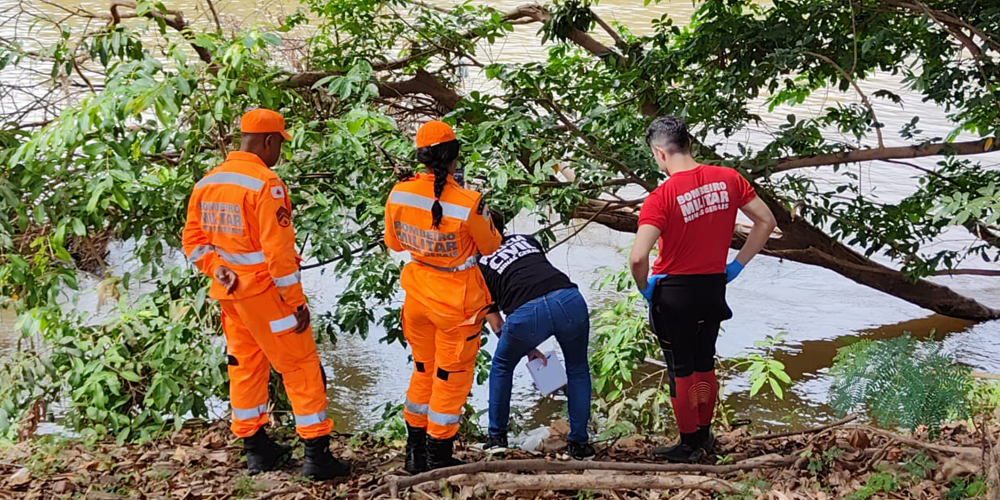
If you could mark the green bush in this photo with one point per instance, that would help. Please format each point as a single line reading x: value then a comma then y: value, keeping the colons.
x: 900, y: 382
x: 143, y: 370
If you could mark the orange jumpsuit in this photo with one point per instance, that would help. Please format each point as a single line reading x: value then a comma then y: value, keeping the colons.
x: 446, y: 296
x: 239, y: 216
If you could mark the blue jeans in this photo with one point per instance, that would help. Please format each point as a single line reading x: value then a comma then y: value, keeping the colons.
x: 562, y: 313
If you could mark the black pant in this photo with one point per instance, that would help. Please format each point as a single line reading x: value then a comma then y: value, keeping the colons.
x: 685, y: 315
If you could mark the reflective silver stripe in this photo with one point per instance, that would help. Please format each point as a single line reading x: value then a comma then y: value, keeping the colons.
x: 233, y: 178
x: 286, y: 323
x: 424, y: 203
x: 289, y: 280
x: 315, y: 418
x: 200, y: 252
x: 246, y: 259
x: 442, y: 418
x: 415, y: 408
x: 248, y: 413
x: 468, y: 264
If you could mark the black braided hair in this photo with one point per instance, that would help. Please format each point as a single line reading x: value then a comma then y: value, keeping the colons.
x: 438, y: 159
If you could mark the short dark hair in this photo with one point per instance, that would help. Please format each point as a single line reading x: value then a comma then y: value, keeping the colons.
x: 498, y: 221
x: 670, y: 133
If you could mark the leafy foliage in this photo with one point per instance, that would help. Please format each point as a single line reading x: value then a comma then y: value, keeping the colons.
x: 763, y: 368
x: 145, y: 368
x: 621, y: 343
x: 899, y: 382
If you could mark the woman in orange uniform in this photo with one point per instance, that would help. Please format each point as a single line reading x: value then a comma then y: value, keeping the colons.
x: 443, y: 226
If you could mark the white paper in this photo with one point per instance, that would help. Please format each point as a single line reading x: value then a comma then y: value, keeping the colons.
x: 550, y: 377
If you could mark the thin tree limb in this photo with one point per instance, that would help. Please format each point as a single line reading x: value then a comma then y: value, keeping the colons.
x: 857, y: 88
x: 215, y: 16
x: 619, y: 42
x: 848, y: 419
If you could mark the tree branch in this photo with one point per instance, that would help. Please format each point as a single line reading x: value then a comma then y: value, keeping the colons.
x: 967, y: 272
x: 890, y: 153
x: 864, y: 97
x: 563, y: 482
x: 215, y: 16
x: 177, y: 23
x: 583, y: 39
x: 394, y: 482
x: 621, y: 167
x: 619, y: 42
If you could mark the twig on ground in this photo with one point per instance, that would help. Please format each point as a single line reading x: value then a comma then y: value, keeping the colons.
x: 850, y: 418
x: 561, y: 482
x: 959, y: 450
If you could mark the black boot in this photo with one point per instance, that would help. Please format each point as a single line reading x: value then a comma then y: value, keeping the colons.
x: 263, y: 454
x: 706, y: 438
x: 319, y: 464
x: 416, y: 450
x: 439, y: 453
x: 685, y: 452
x: 495, y: 442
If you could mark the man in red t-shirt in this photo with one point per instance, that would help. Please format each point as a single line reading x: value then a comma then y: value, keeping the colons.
x: 691, y: 216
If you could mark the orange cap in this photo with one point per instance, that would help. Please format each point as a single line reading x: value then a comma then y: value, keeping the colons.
x: 263, y: 121
x: 433, y: 133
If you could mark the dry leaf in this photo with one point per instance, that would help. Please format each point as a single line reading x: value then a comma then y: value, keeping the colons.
x: 20, y: 478
x: 962, y: 465
x: 559, y: 428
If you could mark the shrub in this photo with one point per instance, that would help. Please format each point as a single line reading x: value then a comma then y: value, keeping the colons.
x: 900, y: 382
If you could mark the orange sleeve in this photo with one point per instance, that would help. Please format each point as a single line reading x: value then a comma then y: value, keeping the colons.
x: 277, y: 241
x: 389, y: 237
x: 481, y: 228
x: 197, y: 247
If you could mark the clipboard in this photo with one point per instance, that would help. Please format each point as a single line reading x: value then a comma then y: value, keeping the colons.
x: 549, y: 377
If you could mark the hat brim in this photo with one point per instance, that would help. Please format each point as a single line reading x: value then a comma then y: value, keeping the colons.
x: 286, y: 135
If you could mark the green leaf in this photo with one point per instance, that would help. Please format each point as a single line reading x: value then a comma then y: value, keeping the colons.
x: 271, y: 39
x: 78, y: 228
x: 757, y: 384
x: 776, y: 388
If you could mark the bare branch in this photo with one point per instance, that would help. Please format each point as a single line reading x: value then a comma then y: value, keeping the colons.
x: 864, y: 97
x: 215, y: 16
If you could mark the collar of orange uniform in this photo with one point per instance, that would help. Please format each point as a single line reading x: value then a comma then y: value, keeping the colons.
x: 430, y: 178
x: 244, y: 156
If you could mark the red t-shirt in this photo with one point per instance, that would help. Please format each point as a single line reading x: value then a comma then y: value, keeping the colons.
x: 695, y: 212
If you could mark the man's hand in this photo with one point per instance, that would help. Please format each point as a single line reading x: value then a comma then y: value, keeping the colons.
x: 536, y: 354
x: 227, y: 278
x: 733, y: 270
x: 301, y: 319
x: 647, y: 293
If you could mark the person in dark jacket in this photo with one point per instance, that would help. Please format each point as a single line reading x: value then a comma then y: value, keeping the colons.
x: 539, y: 302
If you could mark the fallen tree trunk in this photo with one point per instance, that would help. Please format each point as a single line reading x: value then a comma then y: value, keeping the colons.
x: 561, y: 482
x: 393, y: 483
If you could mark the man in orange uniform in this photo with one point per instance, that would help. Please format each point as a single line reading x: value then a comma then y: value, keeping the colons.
x: 239, y: 232
x: 443, y: 226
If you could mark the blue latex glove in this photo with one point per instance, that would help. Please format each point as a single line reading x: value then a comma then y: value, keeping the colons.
x: 650, y: 286
x: 733, y: 270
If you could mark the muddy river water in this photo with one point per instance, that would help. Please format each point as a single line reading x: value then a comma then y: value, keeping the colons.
x: 817, y: 308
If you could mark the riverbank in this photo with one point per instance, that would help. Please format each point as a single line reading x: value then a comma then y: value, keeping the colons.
x: 846, y: 460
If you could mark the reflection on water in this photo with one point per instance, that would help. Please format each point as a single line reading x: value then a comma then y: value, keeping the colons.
x: 817, y: 308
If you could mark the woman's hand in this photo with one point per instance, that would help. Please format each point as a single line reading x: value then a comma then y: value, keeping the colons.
x: 536, y: 354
